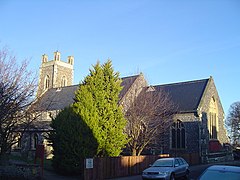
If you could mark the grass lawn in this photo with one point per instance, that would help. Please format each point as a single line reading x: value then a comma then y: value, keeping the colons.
x: 47, y: 164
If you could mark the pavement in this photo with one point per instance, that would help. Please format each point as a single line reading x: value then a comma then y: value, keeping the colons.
x: 195, y: 170
x: 51, y: 175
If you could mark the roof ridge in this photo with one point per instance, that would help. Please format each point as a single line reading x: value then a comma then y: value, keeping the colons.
x: 79, y: 83
x: 65, y: 86
x: 183, y: 82
x: 131, y: 76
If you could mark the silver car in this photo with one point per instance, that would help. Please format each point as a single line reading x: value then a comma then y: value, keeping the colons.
x: 167, y: 169
x: 221, y: 172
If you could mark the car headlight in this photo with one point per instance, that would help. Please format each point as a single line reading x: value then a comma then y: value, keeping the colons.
x: 164, y: 173
x: 144, y: 173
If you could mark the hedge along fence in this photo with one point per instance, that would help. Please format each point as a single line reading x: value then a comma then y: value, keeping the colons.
x: 113, y: 167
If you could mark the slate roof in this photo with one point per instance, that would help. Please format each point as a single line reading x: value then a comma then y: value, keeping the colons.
x: 56, y: 98
x: 185, y: 95
x: 126, y: 84
x: 59, y: 98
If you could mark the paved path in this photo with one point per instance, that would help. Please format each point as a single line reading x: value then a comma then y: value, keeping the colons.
x: 50, y: 175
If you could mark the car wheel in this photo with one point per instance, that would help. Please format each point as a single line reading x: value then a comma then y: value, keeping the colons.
x: 187, y: 174
x: 172, y: 177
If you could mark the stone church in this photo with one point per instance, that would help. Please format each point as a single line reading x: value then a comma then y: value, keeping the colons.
x: 197, y: 128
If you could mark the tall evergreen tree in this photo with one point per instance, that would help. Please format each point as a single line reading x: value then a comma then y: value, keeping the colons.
x: 96, y: 102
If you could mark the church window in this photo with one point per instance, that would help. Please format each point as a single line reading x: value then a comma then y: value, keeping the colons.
x: 46, y: 82
x: 212, y: 119
x: 64, y: 81
x: 178, y: 135
x: 173, y: 138
x: 35, y: 141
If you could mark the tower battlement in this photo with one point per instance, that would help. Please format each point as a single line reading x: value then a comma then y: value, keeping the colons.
x: 55, y: 73
x: 57, y: 57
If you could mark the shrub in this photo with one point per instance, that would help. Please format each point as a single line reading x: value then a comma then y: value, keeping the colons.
x: 72, y: 142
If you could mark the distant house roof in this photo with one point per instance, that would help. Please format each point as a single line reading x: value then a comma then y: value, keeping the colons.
x: 185, y: 95
x: 59, y: 98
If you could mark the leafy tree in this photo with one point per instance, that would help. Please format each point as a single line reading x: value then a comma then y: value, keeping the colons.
x: 17, y: 87
x: 72, y: 141
x: 233, y: 123
x: 96, y: 102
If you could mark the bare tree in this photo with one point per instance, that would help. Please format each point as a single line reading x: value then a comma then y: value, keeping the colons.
x: 147, y: 117
x: 17, y: 88
x: 233, y: 123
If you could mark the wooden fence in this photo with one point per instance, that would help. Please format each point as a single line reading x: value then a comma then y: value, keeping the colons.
x: 113, y: 167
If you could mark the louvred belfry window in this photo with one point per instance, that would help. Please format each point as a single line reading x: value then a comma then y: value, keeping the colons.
x: 46, y: 82
x: 64, y: 81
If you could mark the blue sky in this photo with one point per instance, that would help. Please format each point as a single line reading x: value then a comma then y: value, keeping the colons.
x: 168, y: 40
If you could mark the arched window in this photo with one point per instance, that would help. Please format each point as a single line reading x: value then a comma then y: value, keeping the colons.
x: 46, y: 82
x: 213, y: 119
x: 35, y: 141
x: 64, y: 81
x: 178, y: 135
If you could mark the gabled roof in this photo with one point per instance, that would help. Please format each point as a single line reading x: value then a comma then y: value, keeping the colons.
x: 126, y: 84
x: 185, y: 95
x: 59, y: 98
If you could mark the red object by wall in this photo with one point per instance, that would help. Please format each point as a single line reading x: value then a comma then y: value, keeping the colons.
x: 39, y: 151
x: 214, y: 146
x: 39, y: 154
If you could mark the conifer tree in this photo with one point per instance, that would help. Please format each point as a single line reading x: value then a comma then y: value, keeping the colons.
x: 96, y: 102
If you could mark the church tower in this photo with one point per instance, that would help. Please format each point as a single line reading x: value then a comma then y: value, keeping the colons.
x: 55, y: 73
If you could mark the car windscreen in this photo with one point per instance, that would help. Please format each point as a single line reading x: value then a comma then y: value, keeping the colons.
x: 163, y: 163
x: 220, y: 175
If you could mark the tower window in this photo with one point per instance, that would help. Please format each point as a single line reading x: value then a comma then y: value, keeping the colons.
x: 64, y: 81
x: 178, y: 135
x: 46, y: 82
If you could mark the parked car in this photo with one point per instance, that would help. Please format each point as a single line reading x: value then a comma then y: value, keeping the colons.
x: 167, y: 169
x: 221, y: 172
